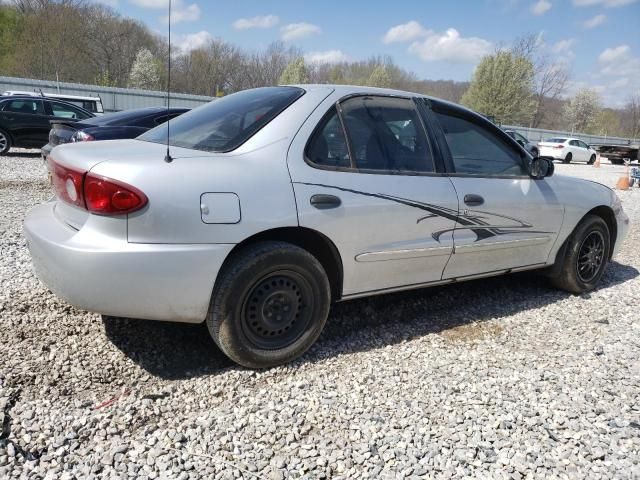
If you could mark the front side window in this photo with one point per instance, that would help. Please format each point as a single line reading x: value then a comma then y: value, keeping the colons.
x: 32, y: 107
x: 226, y: 123
x: 62, y: 110
x: 477, y: 150
x: 386, y: 134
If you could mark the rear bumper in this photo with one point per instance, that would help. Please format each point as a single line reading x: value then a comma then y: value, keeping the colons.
x: 555, y: 153
x: 110, y: 276
x: 45, y: 151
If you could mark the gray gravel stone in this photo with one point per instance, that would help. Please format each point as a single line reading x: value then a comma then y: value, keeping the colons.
x: 499, y: 378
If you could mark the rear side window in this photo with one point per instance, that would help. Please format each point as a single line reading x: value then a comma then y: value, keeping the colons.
x: 33, y: 107
x: 61, y: 110
x: 386, y: 134
x: 328, y: 146
x: 225, y: 124
x: 476, y: 150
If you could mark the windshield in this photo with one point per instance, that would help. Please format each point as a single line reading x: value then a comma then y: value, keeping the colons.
x: 556, y: 140
x: 225, y: 124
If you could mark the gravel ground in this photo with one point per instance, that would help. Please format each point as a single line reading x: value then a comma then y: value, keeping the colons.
x: 503, y: 378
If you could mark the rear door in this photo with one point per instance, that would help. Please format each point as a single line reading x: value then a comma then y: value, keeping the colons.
x: 366, y: 176
x: 507, y: 219
x: 27, y: 121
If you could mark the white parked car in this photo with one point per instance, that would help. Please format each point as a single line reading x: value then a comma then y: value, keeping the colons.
x: 567, y: 149
x: 276, y: 201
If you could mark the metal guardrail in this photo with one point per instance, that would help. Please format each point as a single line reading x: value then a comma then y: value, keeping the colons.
x: 538, y: 134
x: 113, y: 98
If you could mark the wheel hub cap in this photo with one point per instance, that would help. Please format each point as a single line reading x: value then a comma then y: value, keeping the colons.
x: 277, y: 310
x: 591, y: 256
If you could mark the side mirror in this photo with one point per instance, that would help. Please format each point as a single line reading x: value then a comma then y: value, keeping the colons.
x: 520, y: 142
x: 541, y: 167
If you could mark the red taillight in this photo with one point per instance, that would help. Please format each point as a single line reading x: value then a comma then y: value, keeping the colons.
x: 106, y: 196
x: 67, y: 183
x: 559, y: 146
x: 100, y: 195
x: 81, y: 136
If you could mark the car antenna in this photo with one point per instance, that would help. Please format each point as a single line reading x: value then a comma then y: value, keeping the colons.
x: 167, y: 157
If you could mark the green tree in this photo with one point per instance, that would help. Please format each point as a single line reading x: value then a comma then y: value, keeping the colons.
x: 582, y: 110
x: 145, y: 72
x: 380, y: 77
x: 502, y: 87
x: 9, y: 25
x: 295, y: 72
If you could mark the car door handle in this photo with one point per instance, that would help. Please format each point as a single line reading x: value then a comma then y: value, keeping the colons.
x: 324, y: 202
x: 473, y: 200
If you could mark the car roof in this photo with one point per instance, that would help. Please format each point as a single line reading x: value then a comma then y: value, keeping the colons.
x: 4, y: 98
x: 345, y: 90
x: 18, y: 93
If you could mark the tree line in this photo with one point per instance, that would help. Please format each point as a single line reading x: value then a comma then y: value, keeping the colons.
x: 87, y: 42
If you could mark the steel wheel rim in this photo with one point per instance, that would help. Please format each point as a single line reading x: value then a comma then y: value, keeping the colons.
x: 3, y: 141
x: 277, y: 310
x: 590, y: 256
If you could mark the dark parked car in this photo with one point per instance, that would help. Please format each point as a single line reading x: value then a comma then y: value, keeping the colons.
x: 24, y: 120
x: 118, y: 125
x: 526, y: 144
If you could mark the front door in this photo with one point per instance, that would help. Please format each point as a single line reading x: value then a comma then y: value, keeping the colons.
x: 375, y: 192
x: 507, y: 219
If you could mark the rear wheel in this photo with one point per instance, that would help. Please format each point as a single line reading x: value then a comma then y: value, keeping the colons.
x: 568, y: 158
x: 5, y: 142
x: 270, y: 304
x: 592, y: 160
x: 585, y: 258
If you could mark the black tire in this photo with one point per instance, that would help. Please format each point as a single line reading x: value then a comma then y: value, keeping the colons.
x: 582, y: 264
x: 5, y: 142
x: 270, y: 304
x: 568, y: 158
x: 592, y: 160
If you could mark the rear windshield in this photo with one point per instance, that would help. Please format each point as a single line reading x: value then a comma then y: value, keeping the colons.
x: 556, y: 140
x: 225, y: 124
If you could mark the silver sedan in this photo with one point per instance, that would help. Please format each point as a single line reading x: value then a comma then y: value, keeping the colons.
x: 254, y: 212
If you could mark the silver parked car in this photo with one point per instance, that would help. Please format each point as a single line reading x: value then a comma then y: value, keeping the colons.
x: 276, y: 201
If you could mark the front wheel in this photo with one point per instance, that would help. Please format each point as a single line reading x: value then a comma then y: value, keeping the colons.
x: 592, y: 160
x: 270, y: 304
x: 568, y: 158
x: 5, y: 142
x: 585, y: 257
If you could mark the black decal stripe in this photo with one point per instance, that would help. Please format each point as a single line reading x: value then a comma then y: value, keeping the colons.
x: 475, y: 220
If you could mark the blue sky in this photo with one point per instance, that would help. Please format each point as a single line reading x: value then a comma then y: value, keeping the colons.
x: 599, y: 40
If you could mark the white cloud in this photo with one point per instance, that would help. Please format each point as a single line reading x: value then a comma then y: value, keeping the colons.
x: 295, y: 31
x: 450, y: 46
x: 152, y: 3
x: 615, y: 54
x: 108, y: 3
x: 563, y: 46
x: 329, y: 56
x: 620, y: 83
x: 179, y: 11
x: 405, y: 32
x: 595, y: 21
x: 540, y: 7
x: 603, y: 3
x: 191, y: 41
x: 261, y: 21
